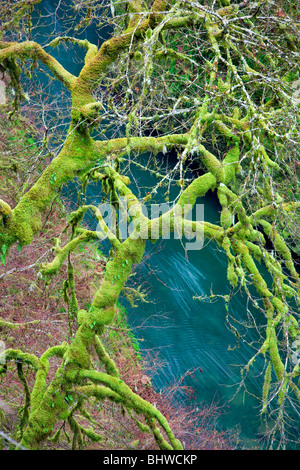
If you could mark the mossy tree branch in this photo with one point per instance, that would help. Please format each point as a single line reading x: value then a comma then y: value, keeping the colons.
x: 228, y: 100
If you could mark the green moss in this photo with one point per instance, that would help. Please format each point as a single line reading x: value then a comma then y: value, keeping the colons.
x: 231, y: 164
x: 293, y: 326
x: 77, y: 157
x: 105, y: 359
x: 237, y: 207
x: 213, y: 165
x: 226, y: 218
x: 47, y: 407
x: 5, y: 208
x: 27, y: 358
x: 25, y: 220
x: 79, y: 350
x: 61, y: 254
x: 255, y: 250
x: 231, y: 275
x: 275, y: 356
x: 133, y: 401
x: 280, y: 246
x: 251, y: 267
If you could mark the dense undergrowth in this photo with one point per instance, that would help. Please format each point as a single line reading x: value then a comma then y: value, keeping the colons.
x: 35, y: 316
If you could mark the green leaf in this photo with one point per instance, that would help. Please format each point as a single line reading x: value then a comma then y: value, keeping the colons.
x: 4, y: 249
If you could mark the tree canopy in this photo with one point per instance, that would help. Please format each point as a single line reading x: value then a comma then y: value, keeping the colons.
x: 217, y: 83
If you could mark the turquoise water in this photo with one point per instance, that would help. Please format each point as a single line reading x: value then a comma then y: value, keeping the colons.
x: 188, y: 334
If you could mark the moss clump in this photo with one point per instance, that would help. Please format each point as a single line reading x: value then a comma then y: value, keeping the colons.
x: 231, y: 164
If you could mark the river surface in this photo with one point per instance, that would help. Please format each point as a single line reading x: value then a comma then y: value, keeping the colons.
x: 189, y: 335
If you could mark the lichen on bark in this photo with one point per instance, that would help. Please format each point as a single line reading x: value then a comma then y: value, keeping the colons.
x: 224, y: 130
